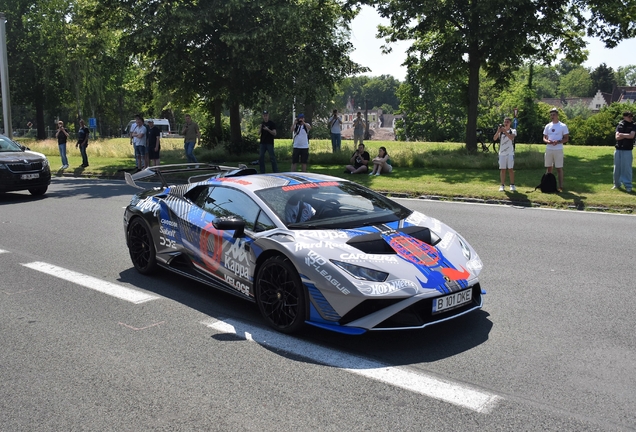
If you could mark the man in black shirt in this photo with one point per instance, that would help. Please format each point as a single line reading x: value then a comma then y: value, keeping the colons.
x: 359, y: 162
x: 267, y: 132
x: 154, y: 143
x: 82, y: 142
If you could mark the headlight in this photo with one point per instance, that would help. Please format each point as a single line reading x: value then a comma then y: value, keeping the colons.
x: 465, y: 248
x: 3, y: 166
x: 45, y: 163
x: 362, y: 272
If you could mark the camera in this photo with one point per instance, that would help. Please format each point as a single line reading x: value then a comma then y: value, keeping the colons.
x: 500, y: 125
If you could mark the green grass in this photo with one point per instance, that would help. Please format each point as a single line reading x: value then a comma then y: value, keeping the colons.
x: 444, y: 170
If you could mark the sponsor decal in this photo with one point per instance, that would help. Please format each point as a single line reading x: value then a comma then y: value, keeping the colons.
x: 368, y: 257
x: 324, y: 234
x: 322, y: 244
x: 237, y: 251
x: 236, y: 267
x: 386, y: 288
x: 417, y: 218
x: 168, y: 232
x: 241, y: 287
x: 308, y: 186
x: 169, y: 223
x: 317, y: 262
x: 211, y: 253
x: 147, y: 204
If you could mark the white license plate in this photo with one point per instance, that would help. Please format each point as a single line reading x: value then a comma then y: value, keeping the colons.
x: 452, y: 300
x: 29, y: 176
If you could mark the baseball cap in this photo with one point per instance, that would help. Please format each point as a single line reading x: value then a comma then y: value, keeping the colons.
x: 265, y: 112
x: 554, y: 110
x: 627, y: 114
x: 151, y: 121
x: 301, y: 115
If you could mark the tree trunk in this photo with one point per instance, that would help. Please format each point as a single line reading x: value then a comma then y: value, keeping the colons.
x: 218, y: 125
x: 235, y: 123
x: 473, y: 99
x: 39, y: 115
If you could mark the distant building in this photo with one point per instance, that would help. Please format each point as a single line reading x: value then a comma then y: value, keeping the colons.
x: 595, y: 103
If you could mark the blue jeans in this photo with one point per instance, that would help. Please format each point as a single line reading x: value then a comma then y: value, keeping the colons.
x: 623, y: 168
x: 336, y: 140
x: 189, y: 151
x: 267, y: 148
x: 62, y: 148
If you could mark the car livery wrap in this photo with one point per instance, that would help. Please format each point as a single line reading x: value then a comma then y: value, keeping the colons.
x: 361, y: 262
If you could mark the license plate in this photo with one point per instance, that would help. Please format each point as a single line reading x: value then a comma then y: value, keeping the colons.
x: 452, y: 301
x: 30, y: 176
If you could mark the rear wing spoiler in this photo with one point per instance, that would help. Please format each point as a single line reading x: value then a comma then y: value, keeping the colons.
x: 206, y: 170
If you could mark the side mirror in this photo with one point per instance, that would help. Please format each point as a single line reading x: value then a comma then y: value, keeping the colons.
x: 231, y: 223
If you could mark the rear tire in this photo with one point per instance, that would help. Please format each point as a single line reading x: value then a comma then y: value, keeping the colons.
x: 280, y: 295
x: 495, y: 147
x: 141, y: 246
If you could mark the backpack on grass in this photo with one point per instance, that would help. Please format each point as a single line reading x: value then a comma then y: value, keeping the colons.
x: 548, y: 183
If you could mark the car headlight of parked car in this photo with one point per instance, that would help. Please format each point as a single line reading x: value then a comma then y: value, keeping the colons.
x: 363, y: 273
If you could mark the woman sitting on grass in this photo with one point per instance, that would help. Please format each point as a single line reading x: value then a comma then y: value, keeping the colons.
x: 381, y: 163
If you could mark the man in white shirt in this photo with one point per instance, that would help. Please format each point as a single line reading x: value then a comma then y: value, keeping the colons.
x: 300, y: 153
x: 555, y: 134
x: 335, y: 126
x: 138, y: 140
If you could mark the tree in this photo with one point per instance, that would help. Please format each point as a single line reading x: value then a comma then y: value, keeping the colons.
x: 454, y: 40
x: 626, y: 75
x: 603, y: 79
x: 576, y: 83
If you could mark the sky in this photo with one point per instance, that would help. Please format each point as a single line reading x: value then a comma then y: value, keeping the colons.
x: 367, y: 49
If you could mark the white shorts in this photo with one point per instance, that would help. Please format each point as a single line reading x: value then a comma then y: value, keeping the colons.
x: 506, y: 161
x: 554, y: 158
x: 387, y: 168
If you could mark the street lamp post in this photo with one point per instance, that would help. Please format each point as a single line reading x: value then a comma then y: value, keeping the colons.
x: 4, y: 79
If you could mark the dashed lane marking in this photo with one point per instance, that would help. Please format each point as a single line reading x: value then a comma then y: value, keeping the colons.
x: 93, y: 283
x: 445, y: 390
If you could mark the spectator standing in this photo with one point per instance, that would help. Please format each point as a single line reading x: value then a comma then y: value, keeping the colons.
x: 82, y: 142
x: 138, y: 140
x: 268, y: 132
x: 359, y: 126
x: 623, y: 157
x: 300, y: 139
x: 62, y: 136
x: 335, y: 125
x: 192, y: 135
x: 359, y: 161
x: 381, y: 163
x: 555, y: 134
x: 154, y: 143
x: 506, y: 136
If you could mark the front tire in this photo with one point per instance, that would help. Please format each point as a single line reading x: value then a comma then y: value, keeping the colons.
x: 280, y: 295
x: 141, y: 246
x: 38, y: 191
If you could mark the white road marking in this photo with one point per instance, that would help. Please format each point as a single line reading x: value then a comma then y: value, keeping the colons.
x: 3, y: 251
x: 444, y: 390
x: 93, y: 283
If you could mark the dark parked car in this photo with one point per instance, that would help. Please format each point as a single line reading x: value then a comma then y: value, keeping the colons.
x: 22, y: 169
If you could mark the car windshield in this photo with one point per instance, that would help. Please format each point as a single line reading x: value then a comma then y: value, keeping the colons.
x: 334, y: 205
x: 6, y: 145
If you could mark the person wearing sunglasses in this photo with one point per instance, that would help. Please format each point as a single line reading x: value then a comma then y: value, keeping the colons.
x: 555, y: 134
x: 625, y: 132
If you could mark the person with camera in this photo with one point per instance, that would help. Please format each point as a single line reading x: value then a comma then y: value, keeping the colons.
x: 555, y: 134
x: 300, y: 139
x: 506, y: 136
x: 192, y: 135
x: 62, y: 135
x: 359, y: 161
x: 335, y: 127
x: 267, y: 133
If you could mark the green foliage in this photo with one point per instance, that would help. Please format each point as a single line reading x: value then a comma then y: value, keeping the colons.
x: 599, y: 129
x: 603, y: 79
x: 576, y: 83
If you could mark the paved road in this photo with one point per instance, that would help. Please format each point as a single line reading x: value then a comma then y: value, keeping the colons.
x: 553, y: 349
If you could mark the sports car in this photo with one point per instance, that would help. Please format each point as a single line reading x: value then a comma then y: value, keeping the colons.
x: 306, y: 248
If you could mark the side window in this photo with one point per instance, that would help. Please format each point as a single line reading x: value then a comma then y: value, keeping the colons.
x: 223, y: 202
x: 263, y: 223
